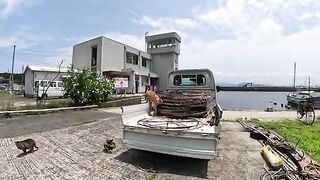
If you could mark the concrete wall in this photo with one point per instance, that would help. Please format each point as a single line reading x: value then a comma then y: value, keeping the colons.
x: 81, y: 56
x: 113, y: 55
x: 162, y: 64
x: 114, y: 58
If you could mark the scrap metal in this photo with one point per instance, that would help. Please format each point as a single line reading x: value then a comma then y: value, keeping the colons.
x: 183, y: 104
x: 288, y: 152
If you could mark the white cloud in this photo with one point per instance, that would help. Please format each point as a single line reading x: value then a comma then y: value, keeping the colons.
x: 63, y: 54
x: 230, y: 15
x: 268, y: 61
x: 165, y: 23
x: 255, y: 44
x: 8, y: 7
x: 304, y: 16
x: 22, y: 39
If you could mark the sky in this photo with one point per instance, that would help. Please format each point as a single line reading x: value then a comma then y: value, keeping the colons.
x: 239, y: 40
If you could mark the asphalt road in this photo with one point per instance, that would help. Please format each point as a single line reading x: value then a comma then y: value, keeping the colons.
x: 27, y: 124
x: 76, y: 152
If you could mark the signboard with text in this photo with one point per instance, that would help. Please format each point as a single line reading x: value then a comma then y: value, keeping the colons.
x: 121, y: 83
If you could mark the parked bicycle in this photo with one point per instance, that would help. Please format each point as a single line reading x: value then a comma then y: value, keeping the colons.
x: 306, y: 109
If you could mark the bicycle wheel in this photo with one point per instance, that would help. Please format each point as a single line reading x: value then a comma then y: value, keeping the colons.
x: 300, y: 114
x: 310, y: 117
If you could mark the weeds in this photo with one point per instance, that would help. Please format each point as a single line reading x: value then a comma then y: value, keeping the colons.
x: 7, y: 105
x: 5, y: 94
x: 295, y: 131
x: 151, y: 177
x: 48, y: 104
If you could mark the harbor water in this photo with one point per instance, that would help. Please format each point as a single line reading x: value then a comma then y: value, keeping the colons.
x: 246, y: 100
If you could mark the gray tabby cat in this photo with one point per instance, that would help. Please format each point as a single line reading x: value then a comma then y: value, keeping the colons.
x: 26, y: 144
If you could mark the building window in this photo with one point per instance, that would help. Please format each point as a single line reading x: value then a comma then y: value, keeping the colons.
x: 128, y: 58
x: 94, y: 52
x: 132, y: 58
x: 135, y: 59
x: 176, y: 61
x: 144, y: 62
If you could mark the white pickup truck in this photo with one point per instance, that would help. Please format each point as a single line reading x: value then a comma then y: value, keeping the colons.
x: 188, y: 120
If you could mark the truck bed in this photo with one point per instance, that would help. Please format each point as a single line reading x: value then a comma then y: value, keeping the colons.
x: 186, y: 137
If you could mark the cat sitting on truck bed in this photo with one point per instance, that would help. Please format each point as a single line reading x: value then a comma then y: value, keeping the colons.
x: 154, y: 99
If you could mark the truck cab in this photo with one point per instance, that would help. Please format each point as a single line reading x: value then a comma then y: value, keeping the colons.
x: 188, y: 123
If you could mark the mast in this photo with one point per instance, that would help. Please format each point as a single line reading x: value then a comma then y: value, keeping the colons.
x: 294, y: 76
x: 309, y: 84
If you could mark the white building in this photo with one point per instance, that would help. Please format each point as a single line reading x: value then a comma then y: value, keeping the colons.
x: 38, y: 73
x: 110, y: 58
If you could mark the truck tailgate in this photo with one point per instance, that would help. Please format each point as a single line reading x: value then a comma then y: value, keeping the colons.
x: 159, y: 134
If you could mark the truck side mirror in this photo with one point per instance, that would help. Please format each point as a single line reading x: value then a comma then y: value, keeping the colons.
x: 218, y: 88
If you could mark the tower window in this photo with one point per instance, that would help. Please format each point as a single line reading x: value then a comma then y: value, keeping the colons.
x: 163, y: 43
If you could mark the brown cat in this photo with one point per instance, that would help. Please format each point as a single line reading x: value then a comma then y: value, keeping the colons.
x: 109, y: 145
x: 154, y: 99
x: 26, y: 144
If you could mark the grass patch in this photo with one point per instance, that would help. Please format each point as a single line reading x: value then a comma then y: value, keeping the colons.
x: 119, y: 98
x: 151, y: 177
x: 6, y: 105
x: 295, y: 131
x: 59, y: 103
x: 84, y: 122
x: 5, y: 94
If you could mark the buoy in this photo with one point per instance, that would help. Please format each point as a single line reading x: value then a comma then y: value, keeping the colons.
x: 272, y: 159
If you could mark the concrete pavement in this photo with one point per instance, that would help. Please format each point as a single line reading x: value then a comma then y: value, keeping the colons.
x: 76, y: 153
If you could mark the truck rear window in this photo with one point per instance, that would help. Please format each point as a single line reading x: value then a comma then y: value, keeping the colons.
x: 189, y: 80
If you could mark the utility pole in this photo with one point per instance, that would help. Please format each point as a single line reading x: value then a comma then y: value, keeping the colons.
x: 145, y: 40
x: 12, y: 68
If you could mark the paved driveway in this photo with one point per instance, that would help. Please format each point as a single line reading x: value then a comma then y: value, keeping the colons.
x: 76, y: 153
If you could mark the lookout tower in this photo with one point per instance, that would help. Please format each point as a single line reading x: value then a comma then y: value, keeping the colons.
x: 164, y: 50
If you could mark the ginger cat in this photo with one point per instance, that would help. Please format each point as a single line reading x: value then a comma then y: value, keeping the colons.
x: 154, y: 99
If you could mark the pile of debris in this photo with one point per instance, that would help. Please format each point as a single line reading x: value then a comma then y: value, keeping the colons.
x: 182, y: 104
x: 281, y: 156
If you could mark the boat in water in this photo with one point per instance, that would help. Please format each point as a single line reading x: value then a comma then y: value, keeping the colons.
x: 296, y: 97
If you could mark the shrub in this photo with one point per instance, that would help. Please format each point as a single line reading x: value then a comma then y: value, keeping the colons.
x: 84, y: 88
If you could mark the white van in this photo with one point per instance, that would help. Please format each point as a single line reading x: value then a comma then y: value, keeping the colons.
x: 55, y: 89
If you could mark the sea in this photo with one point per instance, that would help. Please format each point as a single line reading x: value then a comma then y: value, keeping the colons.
x: 247, y: 100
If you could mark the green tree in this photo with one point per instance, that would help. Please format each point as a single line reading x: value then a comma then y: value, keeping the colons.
x: 85, y: 88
